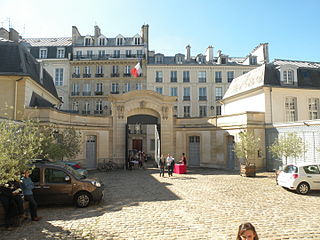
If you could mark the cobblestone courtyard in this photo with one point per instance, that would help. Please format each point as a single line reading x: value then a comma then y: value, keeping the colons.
x: 203, y: 204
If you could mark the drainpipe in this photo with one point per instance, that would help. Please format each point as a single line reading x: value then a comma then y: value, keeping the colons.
x: 15, y: 99
x: 270, y: 89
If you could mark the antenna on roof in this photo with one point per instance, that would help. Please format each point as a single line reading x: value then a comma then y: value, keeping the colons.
x: 9, y: 21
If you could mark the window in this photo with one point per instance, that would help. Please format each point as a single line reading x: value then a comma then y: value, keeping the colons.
x: 116, y: 53
x: 86, y: 72
x: 218, y: 110
x: 77, y: 70
x: 230, y: 76
x: 52, y: 175
x: 253, y: 60
x: 87, y: 41
x: 98, y: 107
x: 186, y: 111
x: 127, y: 87
x: 58, y: 79
x: 179, y: 59
x: 218, y: 93
x: 186, y: 94
x: 159, y: 76
x: 115, y: 71
x: 99, y: 89
x: 127, y: 70
x: 152, y: 144
x: 60, y: 53
x: 75, y: 89
x: 78, y: 54
x: 291, y: 109
x: 101, y: 53
x: 311, y: 169
x: 202, y: 111
x: 313, y: 108
x: 202, y: 77
x: 159, y: 90
x: 89, y: 53
x: 174, y: 91
x: 43, y: 53
x: 203, y: 94
x: 186, y: 76
x: 114, y: 88
x: 75, y: 106
x: 119, y: 41
x: 136, y: 41
x: 128, y: 53
x: 139, y: 54
x: 86, y: 108
x: 138, y: 86
x: 100, y: 69
x: 86, y: 89
x: 173, y: 77
x: 102, y: 41
x: 218, y: 77
x: 288, y: 77
x: 159, y: 59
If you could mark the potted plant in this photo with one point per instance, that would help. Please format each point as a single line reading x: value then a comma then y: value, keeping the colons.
x: 247, y: 149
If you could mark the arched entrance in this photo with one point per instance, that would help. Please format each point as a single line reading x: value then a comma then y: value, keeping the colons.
x: 143, y: 135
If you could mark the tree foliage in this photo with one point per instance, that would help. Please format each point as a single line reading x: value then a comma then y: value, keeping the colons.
x: 20, y: 143
x: 248, y: 146
x: 62, y: 143
x: 290, y: 145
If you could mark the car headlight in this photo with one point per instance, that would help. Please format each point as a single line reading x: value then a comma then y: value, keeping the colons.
x: 95, y: 183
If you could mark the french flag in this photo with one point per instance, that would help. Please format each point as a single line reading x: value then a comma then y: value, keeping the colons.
x: 137, y: 70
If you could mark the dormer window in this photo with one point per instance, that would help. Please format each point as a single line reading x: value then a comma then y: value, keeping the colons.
x: 87, y: 41
x: 288, y: 77
x: 119, y: 41
x: 137, y: 41
x: 253, y: 60
x: 223, y: 60
x: 179, y: 59
x: 43, y: 53
x: 159, y: 59
x: 102, y: 41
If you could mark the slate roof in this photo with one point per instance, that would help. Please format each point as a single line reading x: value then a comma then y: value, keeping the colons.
x: 15, y: 60
x: 308, y: 74
x: 48, y: 42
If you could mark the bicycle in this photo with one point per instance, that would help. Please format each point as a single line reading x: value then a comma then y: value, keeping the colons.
x: 106, y: 166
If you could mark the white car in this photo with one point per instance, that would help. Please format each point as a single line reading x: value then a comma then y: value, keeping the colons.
x: 301, y: 177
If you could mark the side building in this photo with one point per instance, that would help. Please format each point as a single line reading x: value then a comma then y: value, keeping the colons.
x: 199, y: 82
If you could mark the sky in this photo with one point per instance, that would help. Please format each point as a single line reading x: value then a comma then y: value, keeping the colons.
x: 291, y: 27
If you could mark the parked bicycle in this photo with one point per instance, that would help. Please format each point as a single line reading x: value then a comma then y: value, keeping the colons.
x: 106, y: 166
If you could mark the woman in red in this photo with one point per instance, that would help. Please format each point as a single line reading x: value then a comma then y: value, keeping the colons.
x: 183, y: 159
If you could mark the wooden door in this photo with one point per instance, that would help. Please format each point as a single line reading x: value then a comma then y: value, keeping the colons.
x: 137, y: 144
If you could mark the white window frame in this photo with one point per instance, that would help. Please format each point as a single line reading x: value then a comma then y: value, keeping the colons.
x: 291, y: 109
x: 186, y: 111
x: 230, y: 76
x: 159, y: 76
x: 115, y: 87
x: 218, y: 93
x: 202, y: 76
x: 58, y: 78
x: 174, y: 91
x: 43, y: 53
x: 99, y: 87
x: 313, y: 106
x: 288, y: 76
x: 127, y: 87
x: 75, y: 106
x: 202, y: 111
x: 159, y: 90
x: 99, y: 69
x: 60, y: 52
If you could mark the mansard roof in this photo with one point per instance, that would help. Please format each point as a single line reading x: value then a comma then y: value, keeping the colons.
x: 15, y: 60
x: 308, y: 75
x: 48, y: 42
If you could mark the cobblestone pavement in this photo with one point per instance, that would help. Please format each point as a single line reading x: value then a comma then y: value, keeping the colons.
x: 203, y: 204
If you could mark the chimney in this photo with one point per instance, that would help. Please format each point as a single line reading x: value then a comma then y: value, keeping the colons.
x: 209, y: 54
x: 188, y: 56
x: 145, y: 34
x: 4, y: 33
x: 75, y: 34
x: 13, y: 35
x: 41, y: 72
x: 97, y: 31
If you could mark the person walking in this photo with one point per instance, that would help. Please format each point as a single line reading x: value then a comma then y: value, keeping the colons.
x: 27, y: 186
x: 170, y: 164
x: 247, y: 231
x: 162, y: 163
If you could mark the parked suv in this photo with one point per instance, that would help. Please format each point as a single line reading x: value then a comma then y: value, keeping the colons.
x: 57, y: 184
x: 301, y: 177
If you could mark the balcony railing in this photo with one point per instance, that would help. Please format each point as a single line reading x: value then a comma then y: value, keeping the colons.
x: 202, y: 80
x: 186, y: 98
x: 158, y: 79
x: 115, y: 74
x: 173, y: 79
x: 99, y: 75
x: 87, y: 75
x: 202, y: 98
x: 218, y: 80
x: 127, y: 74
x: 114, y: 92
x: 98, y: 93
x: 186, y: 79
x: 98, y: 111
x: 76, y: 75
x: 85, y: 112
x: 107, y: 56
x: 86, y: 93
x: 75, y: 93
x: 218, y: 98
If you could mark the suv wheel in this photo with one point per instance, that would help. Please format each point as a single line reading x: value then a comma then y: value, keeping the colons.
x: 82, y: 199
x: 303, y: 188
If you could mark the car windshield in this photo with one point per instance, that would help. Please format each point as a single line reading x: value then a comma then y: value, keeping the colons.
x: 291, y: 169
x: 74, y: 172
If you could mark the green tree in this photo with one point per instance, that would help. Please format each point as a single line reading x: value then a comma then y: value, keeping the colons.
x: 290, y: 145
x: 20, y: 143
x: 247, y: 148
x: 62, y: 143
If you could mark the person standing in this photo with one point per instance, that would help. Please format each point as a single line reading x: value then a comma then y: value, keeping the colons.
x: 183, y: 159
x: 247, y: 231
x: 162, y: 165
x: 27, y: 186
x: 170, y: 164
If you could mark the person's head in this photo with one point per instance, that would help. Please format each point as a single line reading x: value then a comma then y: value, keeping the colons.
x: 182, y: 154
x: 26, y: 173
x: 247, y: 232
